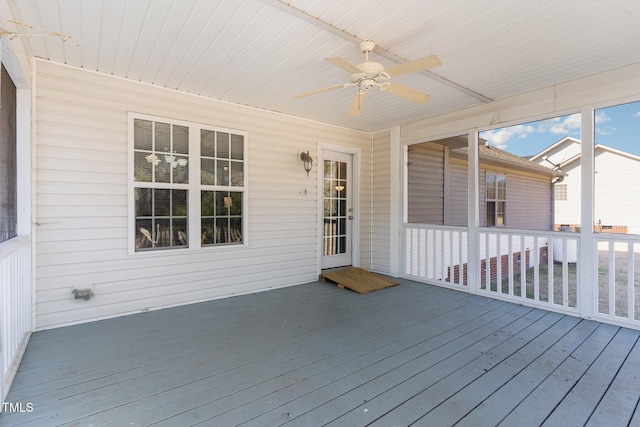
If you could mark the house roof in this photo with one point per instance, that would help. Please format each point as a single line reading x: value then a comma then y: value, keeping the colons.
x: 490, y: 155
x: 553, y: 147
x: 494, y: 156
x: 568, y: 140
x: 261, y: 53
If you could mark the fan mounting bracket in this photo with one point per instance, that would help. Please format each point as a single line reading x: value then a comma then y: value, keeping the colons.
x: 366, y: 46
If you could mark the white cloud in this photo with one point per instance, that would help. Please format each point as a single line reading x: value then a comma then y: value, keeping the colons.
x: 602, y: 117
x: 637, y: 114
x: 568, y: 125
x: 501, y: 137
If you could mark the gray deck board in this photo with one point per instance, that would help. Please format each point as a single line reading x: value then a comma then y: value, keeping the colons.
x: 318, y: 355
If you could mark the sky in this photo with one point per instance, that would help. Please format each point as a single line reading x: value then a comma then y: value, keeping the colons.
x: 617, y: 127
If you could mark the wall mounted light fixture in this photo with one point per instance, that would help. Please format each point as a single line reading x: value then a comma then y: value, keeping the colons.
x: 307, y: 160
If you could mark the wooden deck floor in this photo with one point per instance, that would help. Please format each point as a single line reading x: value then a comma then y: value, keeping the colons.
x: 315, y: 355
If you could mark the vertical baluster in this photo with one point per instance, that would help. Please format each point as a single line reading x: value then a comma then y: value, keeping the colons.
x: 443, y: 257
x: 612, y: 279
x: 630, y: 282
x: 430, y: 238
x: 420, y: 251
x: 510, y: 263
x: 550, y: 271
x: 451, y: 263
x: 498, y: 263
x: 487, y: 262
x: 536, y: 269
x: 565, y: 273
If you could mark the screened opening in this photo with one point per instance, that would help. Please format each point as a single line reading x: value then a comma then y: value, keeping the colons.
x: 617, y: 169
x: 437, y: 181
x: 8, y: 166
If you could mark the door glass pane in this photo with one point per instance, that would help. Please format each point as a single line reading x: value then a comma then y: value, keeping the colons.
x: 335, y: 207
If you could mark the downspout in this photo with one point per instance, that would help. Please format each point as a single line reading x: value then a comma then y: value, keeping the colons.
x: 552, y: 195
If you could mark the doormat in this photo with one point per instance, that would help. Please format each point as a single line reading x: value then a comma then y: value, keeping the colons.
x: 358, y: 280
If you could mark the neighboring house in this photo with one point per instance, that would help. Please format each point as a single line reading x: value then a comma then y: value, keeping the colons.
x: 616, y: 209
x: 514, y: 193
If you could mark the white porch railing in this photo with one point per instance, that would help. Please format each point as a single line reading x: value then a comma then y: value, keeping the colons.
x: 15, y: 306
x: 535, y: 268
x: 436, y: 254
x: 617, y: 277
x: 529, y: 267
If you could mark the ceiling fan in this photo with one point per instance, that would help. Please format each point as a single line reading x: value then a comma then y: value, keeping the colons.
x: 369, y: 74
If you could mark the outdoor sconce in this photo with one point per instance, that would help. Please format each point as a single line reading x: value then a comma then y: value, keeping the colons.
x: 307, y: 160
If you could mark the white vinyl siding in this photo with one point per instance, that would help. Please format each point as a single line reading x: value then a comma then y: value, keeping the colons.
x: 529, y: 204
x: 617, y: 199
x: 458, y: 193
x: 381, y: 181
x: 81, y: 202
x: 425, y: 183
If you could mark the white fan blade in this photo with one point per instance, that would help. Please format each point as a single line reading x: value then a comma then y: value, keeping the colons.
x: 413, y: 66
x: 357, y: 103
x: 406, y: 93
x: 313, y: 92
x: 345, y: 65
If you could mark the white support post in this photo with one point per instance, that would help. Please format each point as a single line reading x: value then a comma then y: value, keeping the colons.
x: 473, y: 208
x: 397, y: 249
x: 587, y: 258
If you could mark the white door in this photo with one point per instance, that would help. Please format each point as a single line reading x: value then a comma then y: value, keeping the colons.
x: 337, y: 209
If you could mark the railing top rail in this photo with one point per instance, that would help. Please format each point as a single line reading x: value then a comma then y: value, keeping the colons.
x: 9, y: 246
x: 519, y: 232
x: 435, y: 227
x: 612, y: 237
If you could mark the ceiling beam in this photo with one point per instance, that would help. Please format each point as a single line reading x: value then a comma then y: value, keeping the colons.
x: 380, y: 51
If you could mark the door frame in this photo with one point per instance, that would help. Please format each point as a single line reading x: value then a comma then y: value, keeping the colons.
x: 355, y: 194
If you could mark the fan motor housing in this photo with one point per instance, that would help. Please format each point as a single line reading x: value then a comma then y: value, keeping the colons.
x: 371, y: 69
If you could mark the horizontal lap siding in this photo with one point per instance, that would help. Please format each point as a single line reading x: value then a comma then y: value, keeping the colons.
x: 529, y: 202
x: 425, y: 182
x: 617, y: 199
x: 381, y: 202
x: 458, y: 193
x: 81, y: 200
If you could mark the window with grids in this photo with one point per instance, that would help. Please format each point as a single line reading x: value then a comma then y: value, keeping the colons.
x: 221, y: 171
x: 496, y: 199
x: 188, y: 185
x: 561, y: 191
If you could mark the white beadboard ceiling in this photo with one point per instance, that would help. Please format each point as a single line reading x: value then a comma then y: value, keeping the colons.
x: 261, y: 53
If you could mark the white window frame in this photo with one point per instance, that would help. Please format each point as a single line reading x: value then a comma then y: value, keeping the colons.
x: 194, y: 188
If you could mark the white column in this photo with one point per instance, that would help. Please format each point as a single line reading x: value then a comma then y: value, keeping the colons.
x: 473, y: 209
x: 397, y: 171
x: 587, y: 259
